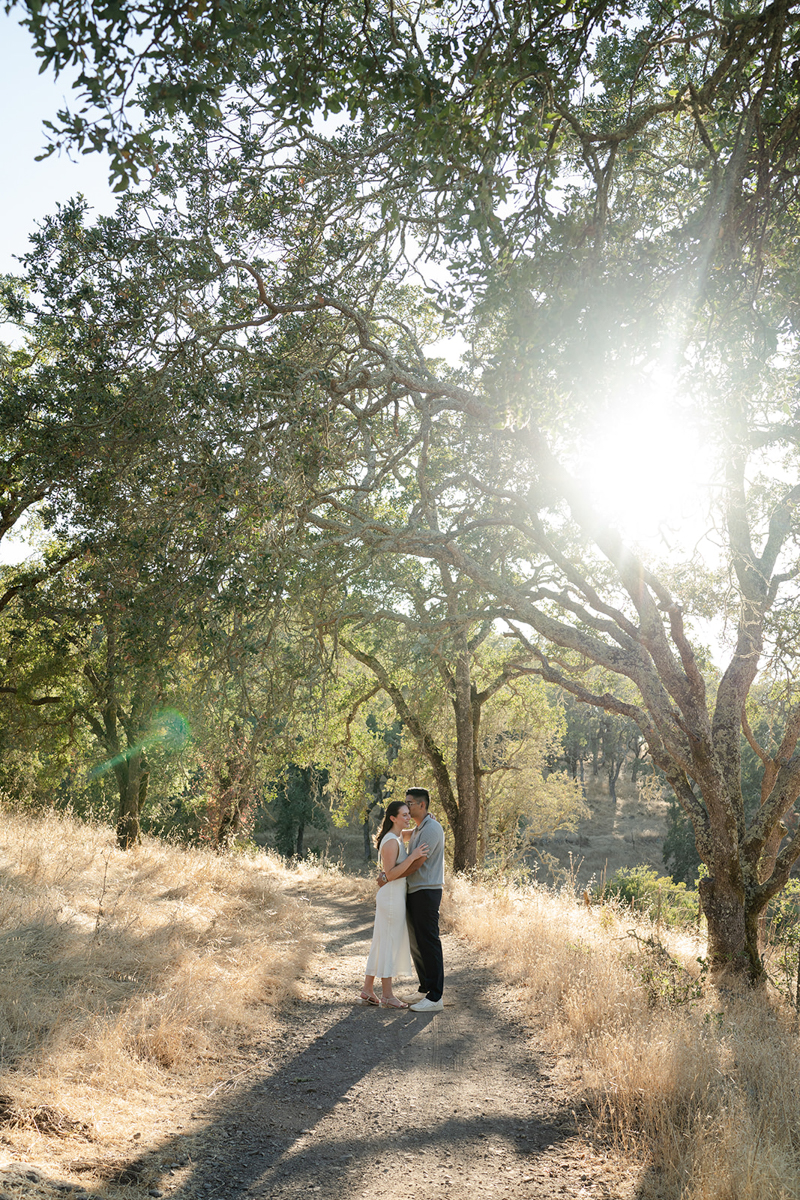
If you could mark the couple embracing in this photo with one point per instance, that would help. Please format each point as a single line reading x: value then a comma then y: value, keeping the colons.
x: 407, y: 909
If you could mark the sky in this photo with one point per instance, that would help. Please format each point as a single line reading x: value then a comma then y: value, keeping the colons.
x: 32, y: 189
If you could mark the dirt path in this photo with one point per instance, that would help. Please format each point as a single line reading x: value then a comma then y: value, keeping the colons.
x: 349, y: 1101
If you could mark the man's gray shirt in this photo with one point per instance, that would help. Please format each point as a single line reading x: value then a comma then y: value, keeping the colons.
x: 431, y: 873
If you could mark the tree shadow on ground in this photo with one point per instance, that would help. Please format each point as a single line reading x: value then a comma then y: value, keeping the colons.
x: 269, y: 1130
x: 277, y: 1132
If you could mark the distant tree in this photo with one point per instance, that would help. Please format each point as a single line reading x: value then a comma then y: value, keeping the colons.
x: 298, y: 803
x: 615, y: 750
x: 680, y: 849
x: 427, y: 638
x: 637, y: 747
x: 577, y: 735
x: 231, y: 802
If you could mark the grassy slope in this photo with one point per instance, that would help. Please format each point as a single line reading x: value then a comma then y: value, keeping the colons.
x: 128, y: 984
x: 703, y: 1088
x: 133, y: 985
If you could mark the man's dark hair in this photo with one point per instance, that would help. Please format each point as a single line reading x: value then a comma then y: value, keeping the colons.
x: 420, y: 794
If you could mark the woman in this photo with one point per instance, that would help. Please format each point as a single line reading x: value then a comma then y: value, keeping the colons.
x: 389, y: 954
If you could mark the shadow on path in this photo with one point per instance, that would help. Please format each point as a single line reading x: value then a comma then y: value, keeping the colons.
x: 350, y: 1081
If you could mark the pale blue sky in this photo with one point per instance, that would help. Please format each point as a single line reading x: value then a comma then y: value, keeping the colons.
x: 32, y: 189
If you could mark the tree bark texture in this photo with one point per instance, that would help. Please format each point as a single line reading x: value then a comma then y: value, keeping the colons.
x: 132, y: 778
x: 465, y: 843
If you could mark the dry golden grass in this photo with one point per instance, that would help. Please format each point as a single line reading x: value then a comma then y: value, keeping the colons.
x: 128, y: 981
x: 131, y: 986
x: 705, y: 1091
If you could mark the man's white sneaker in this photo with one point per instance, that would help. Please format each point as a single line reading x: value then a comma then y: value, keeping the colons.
x: 427, y: 1005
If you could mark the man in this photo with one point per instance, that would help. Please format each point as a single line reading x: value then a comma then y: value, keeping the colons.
x: 423, y: 900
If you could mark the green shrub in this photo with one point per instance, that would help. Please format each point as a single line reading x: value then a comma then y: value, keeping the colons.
x: 783, y: 916
x: 665, y: 981
x: 783, y: 940
x: 643, y: 890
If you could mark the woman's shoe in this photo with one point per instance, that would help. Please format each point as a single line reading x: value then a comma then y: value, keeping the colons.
x: 373, y: 1000
x: 393, y: 1002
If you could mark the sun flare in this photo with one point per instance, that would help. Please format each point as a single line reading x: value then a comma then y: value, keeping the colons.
x: 647, y: 470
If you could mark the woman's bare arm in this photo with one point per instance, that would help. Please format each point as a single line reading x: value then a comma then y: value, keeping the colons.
x: 396, y: 870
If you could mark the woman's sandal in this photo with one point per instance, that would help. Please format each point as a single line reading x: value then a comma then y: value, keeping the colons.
x: 393, y: 1003
x: 373, y: 1000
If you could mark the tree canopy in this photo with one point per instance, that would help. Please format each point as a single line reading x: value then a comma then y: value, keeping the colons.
x: 602, y: 203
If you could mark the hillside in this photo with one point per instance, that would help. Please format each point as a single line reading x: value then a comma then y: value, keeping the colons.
x: 176, y: 1022
x: 627, y: 833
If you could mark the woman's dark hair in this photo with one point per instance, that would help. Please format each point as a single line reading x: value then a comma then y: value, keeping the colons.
x: 386, y: 827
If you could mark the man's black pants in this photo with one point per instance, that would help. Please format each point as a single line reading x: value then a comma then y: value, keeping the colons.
x: 422, y: 910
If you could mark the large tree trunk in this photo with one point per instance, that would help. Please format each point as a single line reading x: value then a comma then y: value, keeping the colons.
x: 465, y: 846
x: 733, y: 932
x: 132, y: 776
x: 483, y: 834
x: 465, y: 840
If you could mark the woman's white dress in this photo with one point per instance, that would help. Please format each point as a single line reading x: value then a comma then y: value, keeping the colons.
x: 390, y: 954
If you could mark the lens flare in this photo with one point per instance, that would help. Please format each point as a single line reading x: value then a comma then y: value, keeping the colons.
x: 169, y: 730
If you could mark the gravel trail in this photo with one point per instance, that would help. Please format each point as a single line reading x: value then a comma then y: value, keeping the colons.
x: 349, y: 1101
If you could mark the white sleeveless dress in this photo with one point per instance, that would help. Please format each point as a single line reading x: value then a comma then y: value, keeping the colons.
x: 390, y: 954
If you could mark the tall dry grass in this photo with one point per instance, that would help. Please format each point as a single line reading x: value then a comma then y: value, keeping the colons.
x: 703, y: 1088
x: 129, y: 983
x: 126, y: 979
